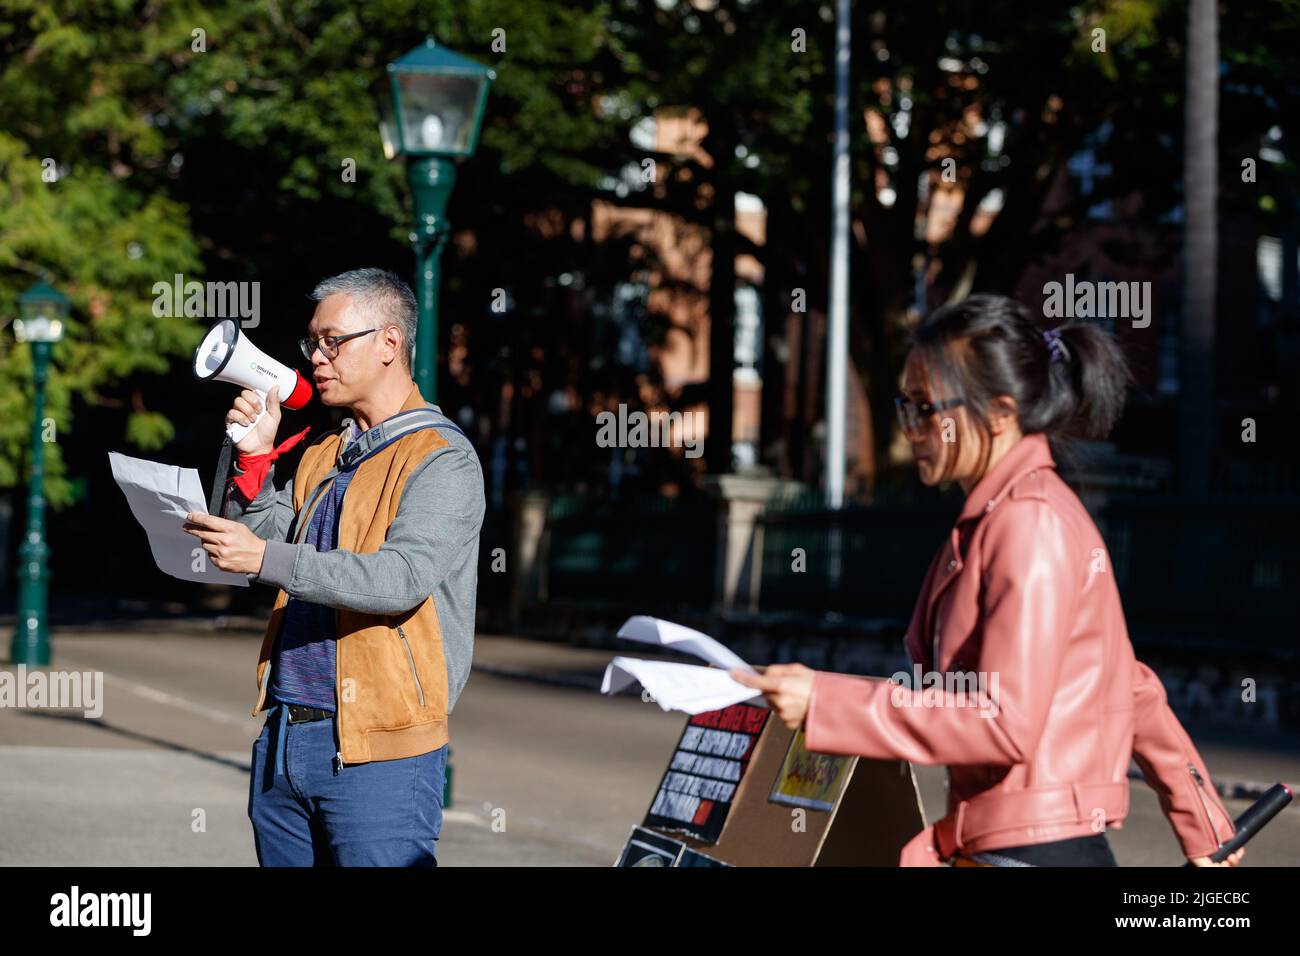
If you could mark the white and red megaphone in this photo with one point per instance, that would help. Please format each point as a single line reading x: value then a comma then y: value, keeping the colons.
x: 226, y: 355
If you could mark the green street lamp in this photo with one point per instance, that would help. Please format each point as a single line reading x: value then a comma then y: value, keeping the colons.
x: 43, y: 309
x: 434, y: 120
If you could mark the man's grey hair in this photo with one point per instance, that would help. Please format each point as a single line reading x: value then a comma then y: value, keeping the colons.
x: 382, y: 294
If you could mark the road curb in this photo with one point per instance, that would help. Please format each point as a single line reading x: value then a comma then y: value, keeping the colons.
x: 552, y: 678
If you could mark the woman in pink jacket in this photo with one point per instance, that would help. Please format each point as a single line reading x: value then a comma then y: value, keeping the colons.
x: 1031, y: 693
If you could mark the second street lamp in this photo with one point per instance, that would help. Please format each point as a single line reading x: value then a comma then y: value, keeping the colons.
x: 436, y: 113
x: 43, y: 310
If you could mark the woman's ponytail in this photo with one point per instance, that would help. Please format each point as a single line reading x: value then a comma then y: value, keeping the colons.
x: 1097, y: 376
x: 1068, y: 382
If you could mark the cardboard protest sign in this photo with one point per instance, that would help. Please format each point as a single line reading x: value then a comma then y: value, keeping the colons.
x: 696, y: 791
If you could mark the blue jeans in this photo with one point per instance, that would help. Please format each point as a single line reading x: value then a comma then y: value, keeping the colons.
x: 383, y: 813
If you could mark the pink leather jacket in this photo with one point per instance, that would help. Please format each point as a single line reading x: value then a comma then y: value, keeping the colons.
x: 1022, y: 593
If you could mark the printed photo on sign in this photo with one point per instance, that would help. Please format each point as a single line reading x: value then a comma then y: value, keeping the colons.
x: 647, y: 848
x: 809, y: 779
x: 696, y: 792
x: 691, y: 857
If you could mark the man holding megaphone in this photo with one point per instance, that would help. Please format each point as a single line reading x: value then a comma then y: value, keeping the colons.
x: 372, y: 546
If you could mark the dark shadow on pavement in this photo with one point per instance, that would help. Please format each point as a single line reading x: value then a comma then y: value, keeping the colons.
x: 104, y: 725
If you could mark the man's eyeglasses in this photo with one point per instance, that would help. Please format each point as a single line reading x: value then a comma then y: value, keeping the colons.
x: 328, y: 344
x: 912, y: 416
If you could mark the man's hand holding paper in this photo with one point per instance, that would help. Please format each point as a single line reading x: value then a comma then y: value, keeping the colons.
x: 230, y: 545
x: 162, y: 497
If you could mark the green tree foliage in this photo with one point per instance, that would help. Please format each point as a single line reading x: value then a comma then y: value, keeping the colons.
x: 83, y: 171
x: 209, y: 140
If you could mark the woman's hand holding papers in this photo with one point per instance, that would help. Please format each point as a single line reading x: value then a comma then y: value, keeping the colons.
x: 787, y: 687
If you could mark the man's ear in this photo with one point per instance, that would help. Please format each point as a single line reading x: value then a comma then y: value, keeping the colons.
x: 393, y: 340
x: 1003, y: 413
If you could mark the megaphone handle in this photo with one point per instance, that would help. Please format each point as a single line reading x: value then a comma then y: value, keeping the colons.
x: 236, y: 431
x: 217, y: 498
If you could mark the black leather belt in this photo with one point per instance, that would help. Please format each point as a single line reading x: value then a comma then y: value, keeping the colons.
x: 299, y: 714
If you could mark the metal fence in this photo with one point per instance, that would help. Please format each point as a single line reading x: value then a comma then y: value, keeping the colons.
x: 495, y: 570
x: 865, y: 562
x: 1212, y: 579
x: 1221, y: 577
x: 655, y: 552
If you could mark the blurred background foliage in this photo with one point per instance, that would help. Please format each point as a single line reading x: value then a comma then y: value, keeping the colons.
x: 219, y: 155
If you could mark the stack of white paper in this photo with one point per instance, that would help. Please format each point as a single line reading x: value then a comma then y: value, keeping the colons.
x: 160, y: 496
x: 652, y: 630
x: 690, y: 688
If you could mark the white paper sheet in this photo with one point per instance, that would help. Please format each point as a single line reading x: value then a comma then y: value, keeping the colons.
x: 690, y: 688
x: 653, y: 630
x: 160, y: 496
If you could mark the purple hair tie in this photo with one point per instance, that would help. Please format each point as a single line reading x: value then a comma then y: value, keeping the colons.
x: 1053, y: 339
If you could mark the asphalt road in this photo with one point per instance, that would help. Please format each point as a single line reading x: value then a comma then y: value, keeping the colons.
x: 544, y: 774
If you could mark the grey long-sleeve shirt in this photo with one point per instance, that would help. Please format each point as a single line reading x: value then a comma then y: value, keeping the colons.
x: 431, y: 549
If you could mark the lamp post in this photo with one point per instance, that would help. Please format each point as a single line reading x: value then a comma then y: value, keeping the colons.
x: 43, y: 309
x: 436, y: 113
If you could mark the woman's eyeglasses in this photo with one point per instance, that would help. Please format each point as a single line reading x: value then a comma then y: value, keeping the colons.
x: 328, y: 344
x: 912, y: 416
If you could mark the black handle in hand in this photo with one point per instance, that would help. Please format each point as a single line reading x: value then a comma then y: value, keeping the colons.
x: 217, y: 497
x: 1253, y: 820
